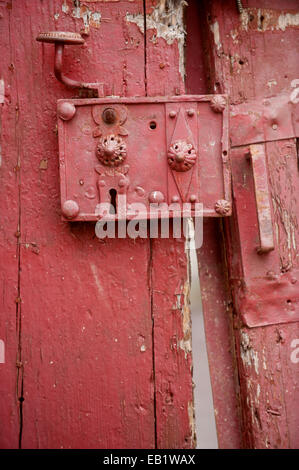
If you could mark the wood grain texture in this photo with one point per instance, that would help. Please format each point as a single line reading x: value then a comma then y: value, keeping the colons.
x: 175, y: 421
x: 10, y: 150
x: 249, y: 60
x: 92, y: 371
x: 86, y: 314
x: 218, y: 321
x: 216, y: 299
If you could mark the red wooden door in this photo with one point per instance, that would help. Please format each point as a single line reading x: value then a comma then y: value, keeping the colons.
x: 89, y: 326
x: 97, y: 333
x: 247, y: 58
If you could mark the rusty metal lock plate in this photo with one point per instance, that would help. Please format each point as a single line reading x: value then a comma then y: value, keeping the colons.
x: 150, y: 150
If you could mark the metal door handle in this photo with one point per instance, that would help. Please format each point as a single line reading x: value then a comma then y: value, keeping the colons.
x: 60, y: 39
x: 257, y: 157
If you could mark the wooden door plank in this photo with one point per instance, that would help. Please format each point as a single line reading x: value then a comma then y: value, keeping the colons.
x: 170, y: 284
x: 86, y: 314
x: 215, y: 295
x: 10, y: 152
x: 249, y: 60
x: 218, y: 321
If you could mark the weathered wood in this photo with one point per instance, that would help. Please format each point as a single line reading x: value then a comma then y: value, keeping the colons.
x: 86, y: 315
x: 216, y: 299
x: 249, y: 61
x: 175, y: 421
x: 10, y: 307
x: 218, y: 321
x: 93, y: 336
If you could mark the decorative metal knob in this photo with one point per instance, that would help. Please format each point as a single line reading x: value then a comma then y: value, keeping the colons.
x: 111, y: 150
x: 222, y: 207
x: 181, y: 156
x: 61, y: 37
x: 218, y: 103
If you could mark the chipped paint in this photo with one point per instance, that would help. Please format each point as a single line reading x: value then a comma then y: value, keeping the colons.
x: 96, y: 278
x: 89, y: 17
x: 214, y: 27
x: 265, y: 19
x: 65, y: 7
x: 167, y: 21
x: 248, y: 355
x: 191, y: 415
x: 271, y: 83
x: 289, y: 224
x: 284, y: 21
x: 2, y: 91
x: 185, y: 343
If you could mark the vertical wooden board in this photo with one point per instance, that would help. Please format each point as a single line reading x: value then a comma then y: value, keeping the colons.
x: 284, y: 186
x: 175, y: 422
x: 165, y: 38
x: 216, y: 301
x: 250, y: 60
x: 195, y: 78
x: 175, y: 425
x: 249, y: 57
x: 86, y: 316
x: 289, y: 354
x: 218, y: 322
x: 10, y: 135
x: 269, y: 386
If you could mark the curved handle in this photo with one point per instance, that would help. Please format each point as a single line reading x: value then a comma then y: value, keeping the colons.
x: 60, y: 39
x: 257, y: 157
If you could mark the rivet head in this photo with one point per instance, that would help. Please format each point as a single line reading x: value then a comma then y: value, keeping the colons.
x: 66, y: 110
x: 218, y: 103
x: 222, y: 207
x: 156, y: 197
x: 172, y: 114
x: 193, y: 198
x: 190, y: 112
x: 70, y: 209
x: 175, y: 199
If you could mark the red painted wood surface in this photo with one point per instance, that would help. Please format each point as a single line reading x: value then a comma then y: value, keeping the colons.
x: 249, y: 61
x: 9, y: 243
x: 93, y: 334
x: 175, y: 422
x: 216, y: 298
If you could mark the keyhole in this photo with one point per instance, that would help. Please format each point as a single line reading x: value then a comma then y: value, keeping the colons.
x: 113, y: 194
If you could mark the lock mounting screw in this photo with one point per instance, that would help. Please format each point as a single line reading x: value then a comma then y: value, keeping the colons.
x: 218, y: 103
x: 66, y: 110
x: 70, y: 209
x: 223, y: 207
x: 156, y: 197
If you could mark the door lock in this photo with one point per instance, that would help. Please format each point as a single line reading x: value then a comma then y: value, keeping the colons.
x: 158, y: 150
